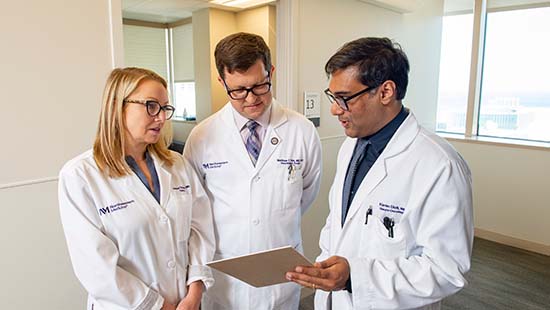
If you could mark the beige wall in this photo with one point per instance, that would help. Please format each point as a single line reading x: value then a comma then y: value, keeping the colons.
x: 57, y: 57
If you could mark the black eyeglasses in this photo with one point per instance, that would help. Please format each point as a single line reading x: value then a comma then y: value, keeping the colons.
x: 343, y: 101
x: 154, y: 108
x: 242, y: 93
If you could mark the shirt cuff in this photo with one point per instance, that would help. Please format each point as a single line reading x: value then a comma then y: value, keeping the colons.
x: 200, y: 273
x: 152, y: 300
x: 348, y: 285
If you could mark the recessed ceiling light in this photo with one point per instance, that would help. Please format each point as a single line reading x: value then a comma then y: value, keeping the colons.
x: 242, y: 4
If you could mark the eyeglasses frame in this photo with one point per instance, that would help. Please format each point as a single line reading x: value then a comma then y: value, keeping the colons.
x: 248, y: 89
x: 344, y: 104
x: 146, y: 103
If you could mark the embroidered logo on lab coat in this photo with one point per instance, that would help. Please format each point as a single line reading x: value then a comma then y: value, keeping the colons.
x: 116, y: 207
x: 214, y: 165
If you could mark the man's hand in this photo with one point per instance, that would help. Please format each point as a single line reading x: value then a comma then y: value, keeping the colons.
x: 328, y: 275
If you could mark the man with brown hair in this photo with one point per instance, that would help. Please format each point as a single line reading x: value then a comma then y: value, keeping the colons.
x: 261, y: 166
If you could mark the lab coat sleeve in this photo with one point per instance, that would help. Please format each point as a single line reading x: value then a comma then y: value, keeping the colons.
x: 201, y: 239
x: 311, y: 173
x: 94, y: 256
x: 324, y: 239
x: 443, y: 229
x: 190, y: 153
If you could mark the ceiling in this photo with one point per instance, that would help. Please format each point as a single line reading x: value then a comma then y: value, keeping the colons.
x: 166, y: 11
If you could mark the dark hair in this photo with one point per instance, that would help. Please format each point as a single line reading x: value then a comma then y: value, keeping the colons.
x: 377, y: 60
x: 240, y: 51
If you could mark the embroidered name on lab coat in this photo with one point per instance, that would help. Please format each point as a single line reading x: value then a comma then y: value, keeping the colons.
x: 182, y: 188
x: 390, y: 208
x: 116, y: 207
x: 290, y: 161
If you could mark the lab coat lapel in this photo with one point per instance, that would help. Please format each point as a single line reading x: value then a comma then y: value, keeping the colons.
x: 375, y: 175
x: 347, y: 153
x: 271, y: 140
x: 402, y: 138
x: 165, y: 180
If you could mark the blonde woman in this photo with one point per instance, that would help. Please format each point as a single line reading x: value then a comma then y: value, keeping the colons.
x: 137, y: 221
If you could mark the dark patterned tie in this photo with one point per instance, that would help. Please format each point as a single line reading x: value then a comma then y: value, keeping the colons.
x: 253, y: 143
x: 358, y: 155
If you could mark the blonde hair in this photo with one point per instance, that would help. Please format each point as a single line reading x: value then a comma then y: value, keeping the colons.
x: 109, y: 153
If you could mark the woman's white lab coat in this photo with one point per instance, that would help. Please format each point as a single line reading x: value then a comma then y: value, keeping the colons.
x: 258, y: 207
x: 127, y: 250
x: 424, y: 185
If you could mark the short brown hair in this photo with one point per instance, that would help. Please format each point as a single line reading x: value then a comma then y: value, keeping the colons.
x: 239, y: 51
x: 109, y: 153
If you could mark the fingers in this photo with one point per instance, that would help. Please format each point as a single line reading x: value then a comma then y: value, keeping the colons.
x: 311, y: 271
x: 333, y: 260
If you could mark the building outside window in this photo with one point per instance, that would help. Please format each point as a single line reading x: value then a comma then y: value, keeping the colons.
x: 514, y: 97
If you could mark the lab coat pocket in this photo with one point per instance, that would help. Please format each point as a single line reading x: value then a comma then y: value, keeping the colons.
x: 377, y: 243
x: 292, y: 191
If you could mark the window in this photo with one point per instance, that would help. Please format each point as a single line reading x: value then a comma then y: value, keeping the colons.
x: 513, y: 99
x: 454, y: 73
x: 184, y: 74
x: 168, y: 50
x: 515, y: 96
x: 185, y: 101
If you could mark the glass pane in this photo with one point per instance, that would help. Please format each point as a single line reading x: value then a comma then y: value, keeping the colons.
x: 515, y: 98
x: 185, y: 101
x: 454, y: 69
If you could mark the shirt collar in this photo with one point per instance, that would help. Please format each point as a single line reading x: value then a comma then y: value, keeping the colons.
x: 380, y: 139
x: 241, y: 121
x: 133, y: 164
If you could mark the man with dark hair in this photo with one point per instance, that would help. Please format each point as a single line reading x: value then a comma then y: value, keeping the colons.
x: 261, y: 166
x: 400, y: 230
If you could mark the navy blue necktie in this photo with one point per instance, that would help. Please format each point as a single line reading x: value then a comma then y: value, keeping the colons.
x: 253, y: 143
x: 358, y: 155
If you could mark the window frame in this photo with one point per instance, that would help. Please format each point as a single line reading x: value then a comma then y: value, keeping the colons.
x: 473, y: 105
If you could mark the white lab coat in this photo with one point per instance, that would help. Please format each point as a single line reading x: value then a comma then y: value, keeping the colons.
x: 421, y: 182
x: 256, y: 208
x: 127, y: 250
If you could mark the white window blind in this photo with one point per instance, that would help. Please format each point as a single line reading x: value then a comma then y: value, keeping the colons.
x: 145, y: 47
x: 182, y: 40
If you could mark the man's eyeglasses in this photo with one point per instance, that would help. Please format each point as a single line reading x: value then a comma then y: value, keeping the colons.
x: 154, y: 108
x: 343, y: 101
x: 242, y: 93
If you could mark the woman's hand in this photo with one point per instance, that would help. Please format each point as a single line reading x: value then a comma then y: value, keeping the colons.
x: 192, y: 300
x: 168, y: 306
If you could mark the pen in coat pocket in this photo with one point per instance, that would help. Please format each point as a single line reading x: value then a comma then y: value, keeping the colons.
x: 369, y: 212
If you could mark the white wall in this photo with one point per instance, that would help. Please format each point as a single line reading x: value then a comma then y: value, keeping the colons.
x: 511, y: 202
x: 55, y: 56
